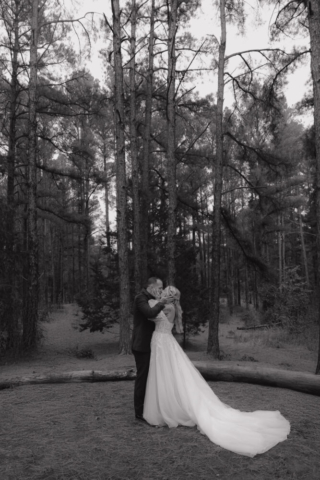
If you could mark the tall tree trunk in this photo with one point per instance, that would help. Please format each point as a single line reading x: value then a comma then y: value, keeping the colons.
x: 213, y: 336
x: 80, y: 273
x: 283, y: 256
x: 146, y: 154
x: 204, y: 255
x: 171, y: 160
x: 30, y: 313
x: 202, y: 275
x: 255, y: 291
x: 106, y: 197
x: 209, y: 269
x: 73, y: 240
x: 229, y: 279
x: 121, y: 185
x: 87, y: 228
x: 314, y: 29
x: 247, y: 286
x: 44, y: 263
x: 303, y: 249
x: 194, y: 228
x: 134, y: 155
x: 10, y: 318
x: 61, y: 264
x: 81, y: 200
x: 53, y: 285
x: 238, y: 287
x: 280, y: 252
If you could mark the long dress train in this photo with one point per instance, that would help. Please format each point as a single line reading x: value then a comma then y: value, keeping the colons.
x: 177, y: 394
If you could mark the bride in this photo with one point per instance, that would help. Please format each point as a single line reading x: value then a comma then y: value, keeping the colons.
x: 177, y: 394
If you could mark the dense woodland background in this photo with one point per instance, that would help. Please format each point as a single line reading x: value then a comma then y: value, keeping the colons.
x: 222, y: 202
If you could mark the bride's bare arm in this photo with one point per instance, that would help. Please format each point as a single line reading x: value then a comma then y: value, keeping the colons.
x: 149, y: 310
x: 159, y: 317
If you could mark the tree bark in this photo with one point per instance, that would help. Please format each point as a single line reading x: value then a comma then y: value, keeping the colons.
x: 303, y: 249
x: 87, y: 227
x: 204, y: 255
x: 80, y: 230
x: 30, y: 311
x: 213, y: 336
x: 314, y: 29
x: 229, y: 278
x: 10, y: 319
x: 201, y: 264
x: 134, y: 155
x: 238, y: 287
x: 106, y: 196
x: 280, y: 253
x: 209, y: 269
x: 121, y: 185
x: 247, y: 285
x: 255, y: 290
x: 53, y: 285
x: 146, y: 154
x: 171, y: 160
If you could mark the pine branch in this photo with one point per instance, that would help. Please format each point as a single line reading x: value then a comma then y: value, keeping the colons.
x: 271, y: 160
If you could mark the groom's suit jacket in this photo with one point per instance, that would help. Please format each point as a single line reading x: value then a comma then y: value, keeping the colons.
x: 142, y: 327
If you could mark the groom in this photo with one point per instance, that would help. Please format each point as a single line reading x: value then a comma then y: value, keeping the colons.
x: 141, y: 336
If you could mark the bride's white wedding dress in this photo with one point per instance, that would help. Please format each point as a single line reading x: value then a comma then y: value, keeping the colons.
x: 177, y: 394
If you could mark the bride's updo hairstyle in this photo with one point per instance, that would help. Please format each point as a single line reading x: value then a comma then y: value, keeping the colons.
x: 171, y: 291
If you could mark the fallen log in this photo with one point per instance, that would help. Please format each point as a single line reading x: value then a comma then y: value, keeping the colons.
x: 259, y: 326
x: 70, y: 377
x: 221, y: 372
x: 232, y: 372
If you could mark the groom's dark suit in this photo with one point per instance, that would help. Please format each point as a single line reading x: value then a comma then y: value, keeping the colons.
x: 141, y: 339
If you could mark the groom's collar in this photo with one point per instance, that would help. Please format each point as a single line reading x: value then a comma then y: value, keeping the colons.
x: 149, y: 295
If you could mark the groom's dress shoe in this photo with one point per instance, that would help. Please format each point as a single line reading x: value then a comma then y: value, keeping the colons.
x: 141, y: 419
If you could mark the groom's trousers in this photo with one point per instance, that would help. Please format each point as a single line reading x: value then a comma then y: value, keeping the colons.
x: 142, y: 363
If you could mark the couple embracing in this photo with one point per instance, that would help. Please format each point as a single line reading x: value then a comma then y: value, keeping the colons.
x: 170, y: 391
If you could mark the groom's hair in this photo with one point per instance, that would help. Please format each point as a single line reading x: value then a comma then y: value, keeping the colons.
x: 152, y: 281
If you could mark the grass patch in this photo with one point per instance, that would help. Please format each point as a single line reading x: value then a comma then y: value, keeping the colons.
x: 82, y: 352
x: 88, y: 432
x: 279, y: 337
x: 304, y: 334
x: 249, y: 317
x: 248, y: 358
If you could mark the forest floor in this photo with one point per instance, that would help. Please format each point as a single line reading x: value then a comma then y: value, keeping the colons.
x: 88, y: 432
